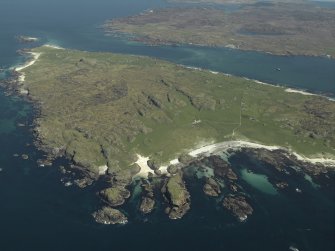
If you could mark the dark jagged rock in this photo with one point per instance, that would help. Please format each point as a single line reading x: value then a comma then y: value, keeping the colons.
x: 281, y: 159
x: 211, y: 188
x: 277, y: 159
x: 238, y: 206
x: 83, y: 182
x: 222, y: 168
x: 44, y: 162
x: 177, y: 196
x: 148, y: 201
x: 108, y: 215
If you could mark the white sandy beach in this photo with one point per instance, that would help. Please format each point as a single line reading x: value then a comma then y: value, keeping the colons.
x: 26, y: 65
x: 212, y: 149
x: 29, y: 63
x: 299, y: 91
x: 103, y: 169
x: 54, y: 46
x: 145, y: 169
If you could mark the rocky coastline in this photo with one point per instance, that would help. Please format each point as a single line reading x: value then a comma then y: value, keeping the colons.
x: 174, y: 186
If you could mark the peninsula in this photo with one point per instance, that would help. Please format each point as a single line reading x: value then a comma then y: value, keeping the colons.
x: 120, y: 116
x: 276, y: 28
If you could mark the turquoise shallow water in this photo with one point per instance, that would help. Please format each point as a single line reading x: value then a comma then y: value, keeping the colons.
x: 37, y: 212
x: 258, y: 181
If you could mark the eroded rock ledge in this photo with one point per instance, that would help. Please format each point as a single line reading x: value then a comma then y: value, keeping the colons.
x: 178, y: 197
x: 238, y: 206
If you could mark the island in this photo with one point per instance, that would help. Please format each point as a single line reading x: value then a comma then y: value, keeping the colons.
x: 278, y: 28
x: 26, y: 39
x: 122, y: 117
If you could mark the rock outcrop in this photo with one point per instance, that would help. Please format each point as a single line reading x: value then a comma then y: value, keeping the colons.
x: 177, y: 196
x: 108, y: 215
x: 222, y: 168
x: 238, y: 206
x: 147, y: 201
x: 115, y: 196
x: 211, y: 188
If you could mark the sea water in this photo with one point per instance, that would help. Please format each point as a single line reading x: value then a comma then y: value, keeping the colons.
x: 37, y: 212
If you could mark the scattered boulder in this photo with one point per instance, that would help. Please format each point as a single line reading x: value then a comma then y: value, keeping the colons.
x: 282, y: 185
x: 62, y: 169
x: 158, y: 172
x: 25, y: 156
x: 153, y: 164
x: 108, y: 215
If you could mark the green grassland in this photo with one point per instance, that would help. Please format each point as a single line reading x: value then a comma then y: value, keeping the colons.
x: 103, y: 109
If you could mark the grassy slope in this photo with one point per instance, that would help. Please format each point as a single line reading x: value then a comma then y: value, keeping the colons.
x: 102, y: 108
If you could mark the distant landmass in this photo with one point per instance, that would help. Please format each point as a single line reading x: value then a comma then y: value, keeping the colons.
x: 276, y: 28
x: 214, y: 1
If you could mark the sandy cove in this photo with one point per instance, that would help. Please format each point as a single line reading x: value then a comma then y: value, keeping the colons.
x: 29, y: 63
x: 215, y: 148
x: 36, y: 56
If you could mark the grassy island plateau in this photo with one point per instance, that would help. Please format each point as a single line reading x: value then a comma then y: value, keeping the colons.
x: 278, y: 28
x: 123, y: 116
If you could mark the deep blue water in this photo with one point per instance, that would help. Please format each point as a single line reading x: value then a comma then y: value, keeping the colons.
x: 38, y: 213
